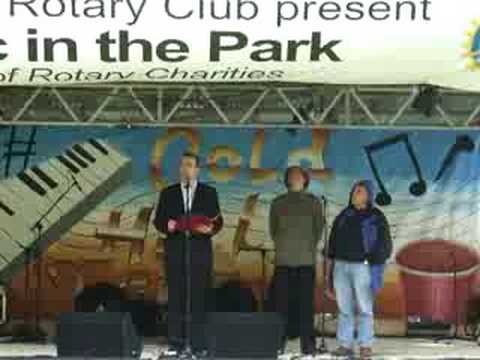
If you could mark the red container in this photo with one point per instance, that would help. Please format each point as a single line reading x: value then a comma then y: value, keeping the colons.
x: 436, y: 275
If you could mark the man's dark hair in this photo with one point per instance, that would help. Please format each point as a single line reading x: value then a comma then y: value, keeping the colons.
x: 192, y: 155
x: 306, y: 176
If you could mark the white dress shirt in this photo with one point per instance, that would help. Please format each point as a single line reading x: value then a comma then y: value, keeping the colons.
x: 191, y: 191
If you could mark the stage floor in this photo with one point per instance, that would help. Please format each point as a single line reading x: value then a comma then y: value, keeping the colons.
x: 385, y: 348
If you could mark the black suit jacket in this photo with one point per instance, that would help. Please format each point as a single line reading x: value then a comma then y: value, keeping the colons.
x: 171, y: 207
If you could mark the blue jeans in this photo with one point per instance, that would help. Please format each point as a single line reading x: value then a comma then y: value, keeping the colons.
x: 353, y: 292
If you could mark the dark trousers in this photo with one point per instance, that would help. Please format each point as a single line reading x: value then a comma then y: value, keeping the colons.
x: 300, y: 282
x: 200, y: 280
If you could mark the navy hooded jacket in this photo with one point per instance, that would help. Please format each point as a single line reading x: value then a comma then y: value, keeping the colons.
x: 360, y: 235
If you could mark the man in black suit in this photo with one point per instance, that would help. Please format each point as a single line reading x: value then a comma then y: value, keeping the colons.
x: 205, y: 220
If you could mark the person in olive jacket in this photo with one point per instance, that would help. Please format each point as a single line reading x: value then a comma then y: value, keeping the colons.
x: 296, y: 225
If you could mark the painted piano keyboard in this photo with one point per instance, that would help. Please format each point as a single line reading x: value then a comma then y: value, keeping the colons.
x: 91, y: 170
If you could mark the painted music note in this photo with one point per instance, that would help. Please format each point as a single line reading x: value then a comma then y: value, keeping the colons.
x: 417, y: 188
x: 464, y: 143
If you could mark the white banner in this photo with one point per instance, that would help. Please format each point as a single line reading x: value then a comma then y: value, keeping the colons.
x: 60, y: 42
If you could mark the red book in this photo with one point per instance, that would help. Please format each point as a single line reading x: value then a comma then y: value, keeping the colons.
x: 192, y: 223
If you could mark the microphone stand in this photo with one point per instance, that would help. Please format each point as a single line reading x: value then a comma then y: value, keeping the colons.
x: 454, y: 336
x: 26, y: 333
x: 188, y: 353
x: 322, y: 349
x: 38, y: 335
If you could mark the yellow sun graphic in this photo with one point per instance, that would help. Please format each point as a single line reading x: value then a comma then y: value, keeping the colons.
x: 472, y: 46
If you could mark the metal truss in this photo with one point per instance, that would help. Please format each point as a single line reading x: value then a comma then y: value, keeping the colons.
x: 235, y: 105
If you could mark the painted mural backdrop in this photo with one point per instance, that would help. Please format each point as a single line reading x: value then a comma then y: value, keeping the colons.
x: 428, y: 185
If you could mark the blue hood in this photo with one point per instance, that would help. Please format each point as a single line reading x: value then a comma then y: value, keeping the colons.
x: 367, y: 184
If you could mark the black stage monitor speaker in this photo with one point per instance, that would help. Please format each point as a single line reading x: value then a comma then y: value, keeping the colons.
x: 98, y: 334
x: 244, y: 335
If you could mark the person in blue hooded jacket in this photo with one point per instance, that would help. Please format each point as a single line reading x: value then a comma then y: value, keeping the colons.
x: 358, y: 248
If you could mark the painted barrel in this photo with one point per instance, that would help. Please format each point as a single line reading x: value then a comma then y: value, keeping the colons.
x: 438, y: 277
